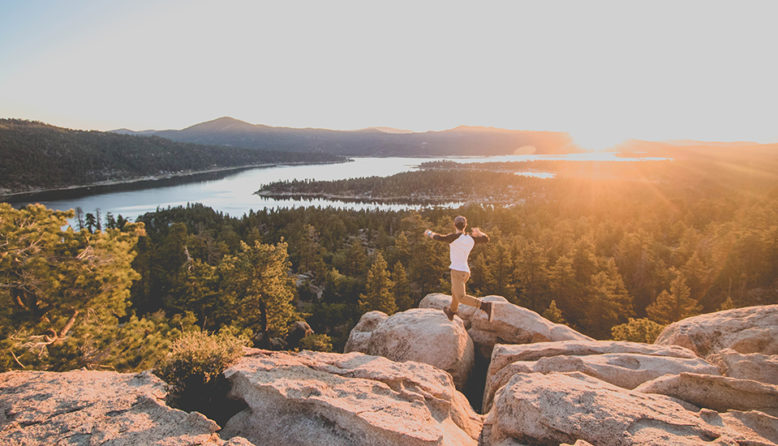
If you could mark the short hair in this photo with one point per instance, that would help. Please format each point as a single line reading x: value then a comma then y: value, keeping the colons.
x: 460, y: 222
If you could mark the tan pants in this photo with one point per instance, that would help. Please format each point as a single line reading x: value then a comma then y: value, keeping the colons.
x: 458, y: 279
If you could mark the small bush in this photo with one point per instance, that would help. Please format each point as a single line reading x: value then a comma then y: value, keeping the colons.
x: 193, y: 370
x: 637, y: 330
x: 316, y: 342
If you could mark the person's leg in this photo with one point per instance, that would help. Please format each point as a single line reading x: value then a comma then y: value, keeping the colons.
x: 458, y: 279
x: 466, y: 298
x: 457, y: 290
x: 462, y: 277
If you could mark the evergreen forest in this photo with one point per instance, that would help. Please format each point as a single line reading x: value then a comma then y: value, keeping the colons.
x: 40, y: 156
x: 615, y: 250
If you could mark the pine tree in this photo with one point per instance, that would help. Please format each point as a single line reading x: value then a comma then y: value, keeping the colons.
x: 674, y: 305
x: 378, y: 289
x: 64, y: 291
x: 531, y: 274
x: 554, y: 314
x: 608, y: 302
x: 401, y: 288
x: 258, y: 290
x: 637, y: 330
x: 727, y: 304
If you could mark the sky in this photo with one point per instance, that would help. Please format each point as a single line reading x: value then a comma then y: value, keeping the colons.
x: 604, y: 71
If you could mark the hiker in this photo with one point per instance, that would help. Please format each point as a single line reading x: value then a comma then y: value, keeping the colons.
x: 460, y: 244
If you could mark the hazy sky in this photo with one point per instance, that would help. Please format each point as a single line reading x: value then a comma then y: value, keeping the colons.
x: 604, y: 71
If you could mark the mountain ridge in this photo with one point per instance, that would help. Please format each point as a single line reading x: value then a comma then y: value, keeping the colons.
x: 371, y: 141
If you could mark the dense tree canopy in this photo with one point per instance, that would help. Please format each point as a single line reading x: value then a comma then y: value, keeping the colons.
x: 618, y: 255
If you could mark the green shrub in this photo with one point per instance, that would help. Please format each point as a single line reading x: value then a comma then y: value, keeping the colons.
x: 317, y: 342
x: 637, y: 330
x: 193, y: 370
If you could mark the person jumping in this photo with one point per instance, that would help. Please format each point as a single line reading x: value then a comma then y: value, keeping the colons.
x: 460, y: 244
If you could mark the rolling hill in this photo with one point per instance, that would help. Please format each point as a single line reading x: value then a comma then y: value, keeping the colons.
x: 35, y: 156
x: 463, y: 140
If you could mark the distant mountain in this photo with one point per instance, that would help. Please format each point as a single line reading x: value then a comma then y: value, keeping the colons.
x: 34, y: 155
x: 375, y: 141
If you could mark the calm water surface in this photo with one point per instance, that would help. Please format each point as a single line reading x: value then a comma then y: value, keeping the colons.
x: 233, y: 193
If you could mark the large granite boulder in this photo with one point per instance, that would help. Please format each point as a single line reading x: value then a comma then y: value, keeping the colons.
x: 505, y: 354
x: 511, y: 324
x: 720, y: 393
x: 755, y: 366
x: 745, y: 330
x: 556, y: 408
x: 89, y: 407
x: 627, y: 370
x: 325, y: 399
x: 418, y: 334
x: 359, y: 338
x: 440, y: 301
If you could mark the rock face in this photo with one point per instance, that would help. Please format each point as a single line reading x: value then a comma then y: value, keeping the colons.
x: 510, y: 324
x: 558, y: 408
x: 440, y: 301
x: 754, y: 366
x: 347, y: 399
x: 625, y: 364
x: 419, y: 334
x: 719, y: 393
x: 87, y: 407
x: 745, y: 330
x: 625, y: 370
x: 359, y: 338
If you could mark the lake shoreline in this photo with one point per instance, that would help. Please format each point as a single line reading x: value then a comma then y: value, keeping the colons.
x: 143, y: 182
x: 432, y: 200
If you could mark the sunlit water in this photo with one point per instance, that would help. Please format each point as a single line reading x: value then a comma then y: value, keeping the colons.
x: 233, y: 193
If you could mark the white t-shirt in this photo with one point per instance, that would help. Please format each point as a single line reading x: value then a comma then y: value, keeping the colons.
x: 460, y: 250
x: 460, y: 245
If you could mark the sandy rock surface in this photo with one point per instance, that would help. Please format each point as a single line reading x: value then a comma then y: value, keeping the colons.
x: 627, y: 370
x: 745, y: 330
x: 425, y: 335
x: 719, y: 393
x: 90, y: 408
x: 511, y: 324
x: 313, y: 398
x: 556, y: 408
x: 359, y: 338
x: 755, y: 366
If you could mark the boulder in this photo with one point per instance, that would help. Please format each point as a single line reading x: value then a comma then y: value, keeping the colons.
x: 313, y: 398
x: 505, y: 354
x: 511, y: 324
x: 297, y: 331
x: 745, y: 330
x: 745, y: 428
x: 627, y: 370
x: 89, y: 407
x: 755, y: 366
x: 720, y: 393
x: 359, y: 338
x: 425, y: 335
x: 559, y: 408
x: 440, y: 301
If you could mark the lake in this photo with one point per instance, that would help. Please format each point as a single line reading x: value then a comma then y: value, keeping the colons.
x: 233, y: 192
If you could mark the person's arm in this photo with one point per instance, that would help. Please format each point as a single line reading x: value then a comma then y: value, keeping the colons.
x: 479, y: 236
x: 448, y: 238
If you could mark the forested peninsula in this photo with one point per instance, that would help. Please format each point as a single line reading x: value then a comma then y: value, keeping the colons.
x: 426, y: 186
x: 36, y: 156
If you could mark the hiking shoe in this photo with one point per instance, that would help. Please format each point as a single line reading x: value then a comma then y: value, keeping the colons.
x: 488, y: 308
x: 449, y: 314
